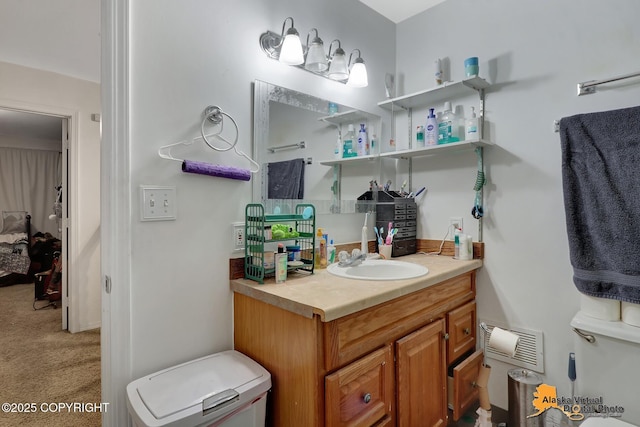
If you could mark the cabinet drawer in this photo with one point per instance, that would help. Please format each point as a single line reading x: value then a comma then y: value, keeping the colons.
x: 463, y: 392
x: 352, y: 336
x: 361, y: 394
x: 462, y: 331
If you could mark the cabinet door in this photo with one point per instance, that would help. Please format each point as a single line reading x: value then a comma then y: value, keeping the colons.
x: 421, y: 377
x: 361, y: 393
x: 462, y: 331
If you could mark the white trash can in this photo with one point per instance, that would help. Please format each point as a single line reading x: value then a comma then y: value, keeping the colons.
x: 226, y: 389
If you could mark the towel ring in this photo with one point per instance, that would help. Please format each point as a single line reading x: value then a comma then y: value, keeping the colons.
x: 214, y: 114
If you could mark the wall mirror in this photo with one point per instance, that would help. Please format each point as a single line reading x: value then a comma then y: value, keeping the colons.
x: 294, y: 137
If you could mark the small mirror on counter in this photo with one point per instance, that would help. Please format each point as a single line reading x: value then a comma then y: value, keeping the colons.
x: 295, y: 136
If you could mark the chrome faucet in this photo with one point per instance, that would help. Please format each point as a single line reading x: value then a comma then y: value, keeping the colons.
x: 356, y: 258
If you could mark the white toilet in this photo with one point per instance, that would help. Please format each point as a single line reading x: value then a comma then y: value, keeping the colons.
x: 605, y: 422
x: 226, y: 389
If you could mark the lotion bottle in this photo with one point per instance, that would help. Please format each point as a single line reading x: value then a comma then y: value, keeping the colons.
x: 472, y: 127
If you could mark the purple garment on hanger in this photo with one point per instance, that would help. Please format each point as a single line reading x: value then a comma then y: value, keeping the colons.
x: 203, y: 168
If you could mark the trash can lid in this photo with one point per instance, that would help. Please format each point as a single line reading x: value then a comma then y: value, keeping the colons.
x: 187, y: 385
x: 525, y: 376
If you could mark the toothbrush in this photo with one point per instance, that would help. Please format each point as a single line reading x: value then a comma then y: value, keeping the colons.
x: 378, y: 235
x: 572, y: 374
x: 389, y: 234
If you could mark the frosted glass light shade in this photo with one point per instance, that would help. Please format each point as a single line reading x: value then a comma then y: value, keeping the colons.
x: 338, y: 69
x: 291, y: 51
x: 316, y: 58
x: 358, y: 76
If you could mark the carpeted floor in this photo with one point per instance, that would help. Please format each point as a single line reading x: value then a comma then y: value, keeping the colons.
x: 42, y: 367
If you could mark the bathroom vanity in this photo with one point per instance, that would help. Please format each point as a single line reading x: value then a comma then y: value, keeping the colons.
x: 352, y: 352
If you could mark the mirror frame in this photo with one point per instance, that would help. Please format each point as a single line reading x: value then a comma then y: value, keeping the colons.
x: 263, y: 94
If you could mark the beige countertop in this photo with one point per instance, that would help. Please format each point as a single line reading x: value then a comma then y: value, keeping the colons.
x: 332, y: 297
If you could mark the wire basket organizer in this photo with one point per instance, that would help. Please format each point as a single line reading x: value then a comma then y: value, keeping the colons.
x: 259, y: 242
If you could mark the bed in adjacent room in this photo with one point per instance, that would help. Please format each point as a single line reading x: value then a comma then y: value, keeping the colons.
x: 15, y: 245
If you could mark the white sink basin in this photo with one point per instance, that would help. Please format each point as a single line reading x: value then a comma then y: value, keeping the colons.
x: 379, y: 269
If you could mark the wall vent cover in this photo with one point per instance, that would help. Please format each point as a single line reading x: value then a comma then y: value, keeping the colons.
x: 529, y: 354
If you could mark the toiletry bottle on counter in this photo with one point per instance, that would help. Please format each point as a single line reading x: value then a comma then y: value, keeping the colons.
x: 331, y: 253
x: 320, y: 256
x: 431, y: 130
x: 456, y: 243
x: 281, y: 264
x: 348, y: 147
x: 363, y: 141
x: 471, y: 127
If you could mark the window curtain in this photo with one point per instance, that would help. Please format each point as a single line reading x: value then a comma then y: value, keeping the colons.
x: 27, y: 183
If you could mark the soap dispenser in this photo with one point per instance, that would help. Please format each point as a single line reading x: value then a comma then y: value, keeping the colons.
x: 472, y: 131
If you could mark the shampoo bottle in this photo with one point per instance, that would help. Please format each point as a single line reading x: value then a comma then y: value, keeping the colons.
x: 348, y: 147
x: 431, y: 130
x: 472, y: 130
x: 363, y: 141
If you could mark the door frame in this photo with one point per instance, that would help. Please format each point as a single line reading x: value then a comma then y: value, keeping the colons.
x: 70, y: 293
x: 115, y: 211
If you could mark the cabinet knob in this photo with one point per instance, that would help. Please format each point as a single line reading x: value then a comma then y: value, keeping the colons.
x: 446, y: 336
x: 474, y: 385
x: 366, y: 398
x: 466, y: 331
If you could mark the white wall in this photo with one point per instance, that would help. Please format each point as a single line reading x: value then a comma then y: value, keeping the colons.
x: 185, y: 56
x: 43, y: 91
x: 534, y: 54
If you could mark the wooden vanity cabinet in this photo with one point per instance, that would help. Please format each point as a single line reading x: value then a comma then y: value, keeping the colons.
x: 385, y: 365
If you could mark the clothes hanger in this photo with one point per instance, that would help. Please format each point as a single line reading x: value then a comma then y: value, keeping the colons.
x: 215, y: 115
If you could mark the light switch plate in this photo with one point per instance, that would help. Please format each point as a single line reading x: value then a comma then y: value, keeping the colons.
x: 158, y: 203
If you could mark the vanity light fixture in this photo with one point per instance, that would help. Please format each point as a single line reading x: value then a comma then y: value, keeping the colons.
x: 287, y: 48
x: 358, y: 74
x: 338, y: 70
x: 316, y: 58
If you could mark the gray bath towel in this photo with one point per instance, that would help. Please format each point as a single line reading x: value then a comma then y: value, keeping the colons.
x: 285, y: 180
x: 601, y: 185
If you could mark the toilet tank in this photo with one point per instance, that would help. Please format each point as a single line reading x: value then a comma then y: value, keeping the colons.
x: 226, y: 389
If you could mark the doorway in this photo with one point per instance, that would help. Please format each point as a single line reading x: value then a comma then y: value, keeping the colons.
x: 39, y: 142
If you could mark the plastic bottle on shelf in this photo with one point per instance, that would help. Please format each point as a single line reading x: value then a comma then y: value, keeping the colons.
x: 431, y: 130
x: 372, y: 143
x: 420, y: 137
x: 449, y: 126
x: 472, y: 130
x: 363, y: 141
x: 337, y: 151
x: 348, y: 148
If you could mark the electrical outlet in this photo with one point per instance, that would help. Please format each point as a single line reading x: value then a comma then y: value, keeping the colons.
x: 238, y: 236
x: 456, y: 222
